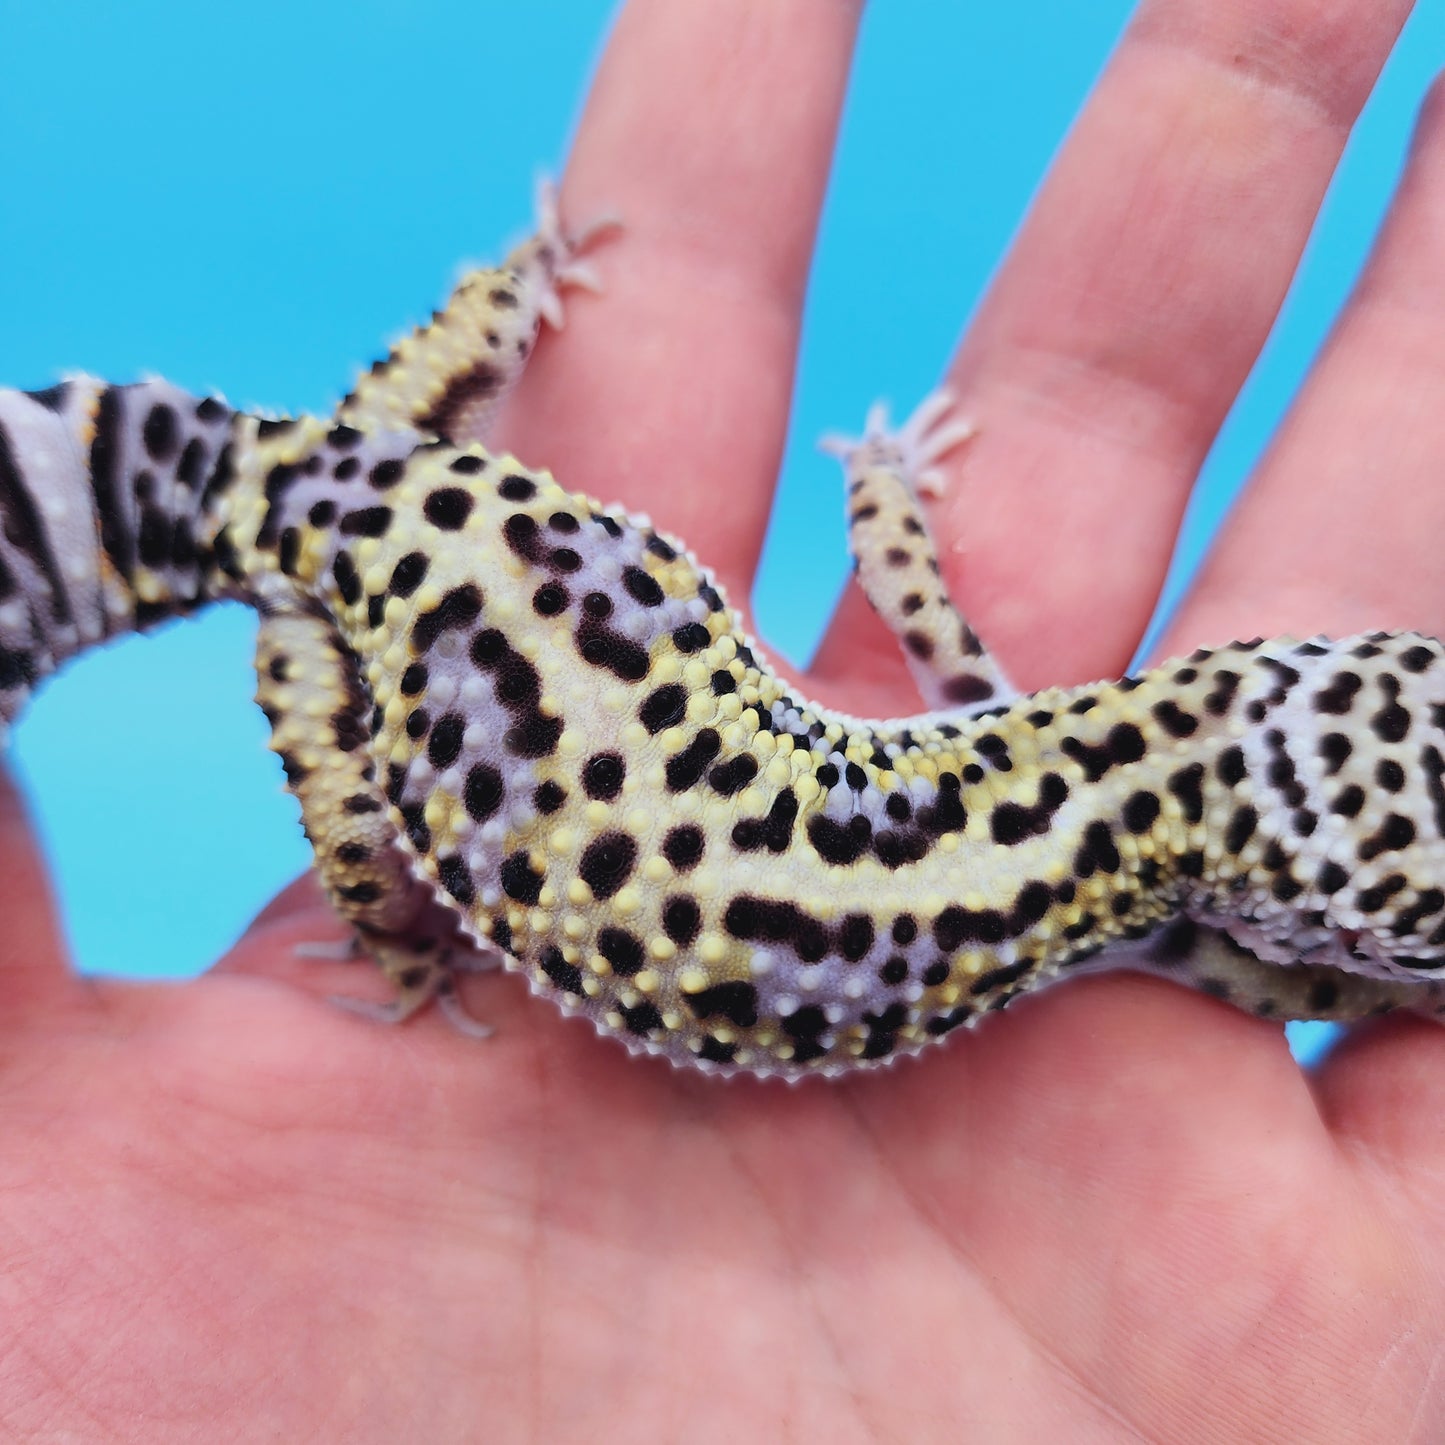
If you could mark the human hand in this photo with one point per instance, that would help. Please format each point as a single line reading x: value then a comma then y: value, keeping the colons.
x: 231, y: 1210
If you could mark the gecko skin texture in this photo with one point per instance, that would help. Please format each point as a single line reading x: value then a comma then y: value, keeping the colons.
x: 527, y: 728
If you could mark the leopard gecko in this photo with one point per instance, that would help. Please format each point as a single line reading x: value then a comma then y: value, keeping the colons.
x: 526, y: 729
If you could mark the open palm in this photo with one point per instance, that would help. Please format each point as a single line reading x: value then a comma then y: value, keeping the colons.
x: 229, y: 1210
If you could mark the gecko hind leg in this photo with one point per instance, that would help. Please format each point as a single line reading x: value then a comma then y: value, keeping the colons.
x: 1212, y: 962
x: 421, y: 976
x: 888, y: 471
x: 311, y: 690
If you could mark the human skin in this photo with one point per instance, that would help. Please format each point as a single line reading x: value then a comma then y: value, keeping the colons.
x: 1118, y: 1211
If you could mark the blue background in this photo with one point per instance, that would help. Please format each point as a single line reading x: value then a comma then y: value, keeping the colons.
x: 255, y: 197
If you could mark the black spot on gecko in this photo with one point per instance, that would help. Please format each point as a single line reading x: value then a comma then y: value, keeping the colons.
x: 548, y: 797
x: 735, y: 1000
x: 855, y: 936
x: 1434, y: 766
x: 550, y: 599
x: 192, y: 464
x: 643, y: 587
x: 691, y: 637
x: 1187, y: 784
x: 1349, y: 801
x: 455, y: 878
x: 1335, y: 749
x: 1097, y: 853
x: 1174, y: 720
x: 1231, y: 768
x: 997, y: 978
x: 1124, y: 743
x: 386, y: 473
x: 663, y: 708
x: 458, y: 608
x: 1241, y: 828
x: 805, y: 1027
x: 448, y: 508
x: 563, y: 975
x: 681, y: 919
x: 956, y: 926
x: 348, y: 584
x: 1011, y: 822
x: 444, y: 746
x: 1339, y: 696
x: 365, y: 522
x: 523, y: 536
x: 839, y: 843
x: 517, y: 489
x: 683, y: 847
x: 1392, y: 723
x: 734, y: 775
x: 160, y: 432
x: 882, y: 1036
x: 483, y: 792
x: 600, y: 646
x: 685, y: 768
x: 642, y: 1018
x: 1034, y: 900
x: 1374, y: 898
x: 1390, y: 775
x: 967, y: 688
x: 607, y: 862
x: 622, y: 950
x: 519, y: 880
x: 1395, y: 833
x: 408, y: 574
x: 603, y: 776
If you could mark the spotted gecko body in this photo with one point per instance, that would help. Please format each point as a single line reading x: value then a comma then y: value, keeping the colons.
x: 524, y: 727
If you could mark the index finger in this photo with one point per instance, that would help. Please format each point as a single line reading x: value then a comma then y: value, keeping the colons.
x: 709, y: 130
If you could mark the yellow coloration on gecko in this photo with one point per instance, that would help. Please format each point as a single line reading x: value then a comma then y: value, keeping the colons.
x: 524, y: 727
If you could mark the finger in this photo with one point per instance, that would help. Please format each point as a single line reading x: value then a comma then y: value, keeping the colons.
x: 1339, y: 534
x: 1340, y: 530
x: 33, y: 955
x: 859, y: 665
x: 709, y: 131
x: 1381, y: 1091
x: 1131, y: 308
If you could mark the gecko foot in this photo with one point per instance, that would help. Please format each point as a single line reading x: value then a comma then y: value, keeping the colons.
x: 914, y: 449
x: 559, y: 252
x: 422, y: 970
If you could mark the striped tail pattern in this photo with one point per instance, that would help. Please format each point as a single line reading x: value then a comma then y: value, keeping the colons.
x: 106, y: 522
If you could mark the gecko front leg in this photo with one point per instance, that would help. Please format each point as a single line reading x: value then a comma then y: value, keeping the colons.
x: 312, y: 692
x: 447, y: 378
